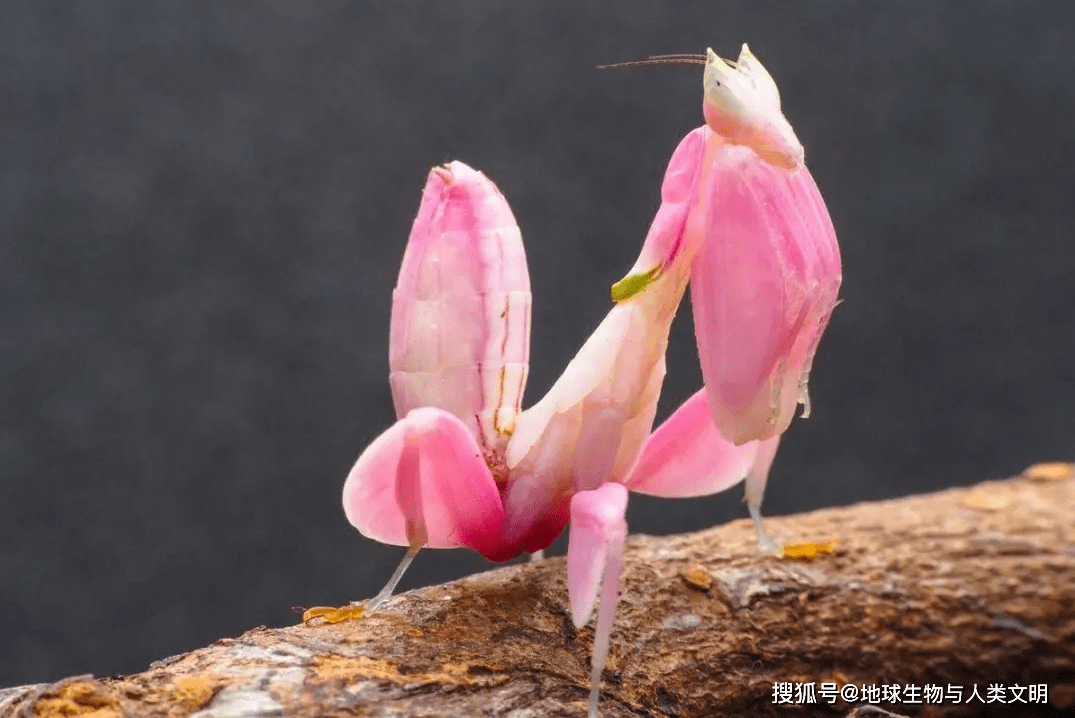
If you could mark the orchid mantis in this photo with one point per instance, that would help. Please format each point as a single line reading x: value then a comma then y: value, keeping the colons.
x: 740, y: 220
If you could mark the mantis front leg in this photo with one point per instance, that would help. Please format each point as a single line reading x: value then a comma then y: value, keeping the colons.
x: 595, y: 557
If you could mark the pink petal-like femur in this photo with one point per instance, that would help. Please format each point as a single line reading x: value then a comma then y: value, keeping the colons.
x: 762, y: 289
x: 595, y: 560
x: 423, y: 482
x: 687, y: 456
x: 460, y: 332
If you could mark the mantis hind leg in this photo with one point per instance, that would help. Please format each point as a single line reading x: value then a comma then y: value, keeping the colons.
x: 755, y: 492
x: 389, y: 588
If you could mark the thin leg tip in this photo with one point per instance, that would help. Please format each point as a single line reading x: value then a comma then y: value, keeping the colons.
x: 390, y: 587
x: 376, y: 602
x: 767, y: 545
x: 595, y: 695
x: 765, y: 541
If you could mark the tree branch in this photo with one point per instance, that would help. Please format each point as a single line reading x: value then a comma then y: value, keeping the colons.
x: 966, y: 586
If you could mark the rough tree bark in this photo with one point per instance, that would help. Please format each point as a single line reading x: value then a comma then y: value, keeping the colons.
x: 966, y: 586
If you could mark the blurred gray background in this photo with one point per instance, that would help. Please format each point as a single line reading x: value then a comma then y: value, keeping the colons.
x: 203, y: 207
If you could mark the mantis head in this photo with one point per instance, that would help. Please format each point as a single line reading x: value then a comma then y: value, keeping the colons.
x: 742, y: 105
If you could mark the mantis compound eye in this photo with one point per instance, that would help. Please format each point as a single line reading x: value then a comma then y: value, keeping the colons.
x: 742, y: 105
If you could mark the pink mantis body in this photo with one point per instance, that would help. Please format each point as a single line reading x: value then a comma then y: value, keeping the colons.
x: 740, y: 220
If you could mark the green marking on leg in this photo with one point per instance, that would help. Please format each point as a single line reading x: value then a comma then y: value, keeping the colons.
x: 633, y: 284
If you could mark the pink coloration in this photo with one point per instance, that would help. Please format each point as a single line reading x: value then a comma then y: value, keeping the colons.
x: 595, y: 560
x: 434, y: 480
x: 424, y: 483
x: 762, y: 290
x: 686, y: 456
x: 535, y: 513
x: 458, y: 350
x: 460, y: 332
x: 590, y: 426
x: 679, y: 191
x: 597, y: 525
x: 464, y: 467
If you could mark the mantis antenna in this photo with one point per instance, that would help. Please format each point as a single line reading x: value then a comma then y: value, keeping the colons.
x: 674, y: 59
x: 741, y: 104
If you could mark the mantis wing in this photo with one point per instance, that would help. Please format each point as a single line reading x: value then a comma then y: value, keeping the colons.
x: 762, y: 289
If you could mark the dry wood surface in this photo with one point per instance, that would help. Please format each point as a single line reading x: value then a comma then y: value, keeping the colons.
x: 966, y: 586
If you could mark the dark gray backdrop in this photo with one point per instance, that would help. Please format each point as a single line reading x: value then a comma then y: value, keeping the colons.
x: 203, y: 207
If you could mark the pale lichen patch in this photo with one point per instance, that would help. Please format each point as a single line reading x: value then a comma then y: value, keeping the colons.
x: 682, y: 622
x: 242, y: 703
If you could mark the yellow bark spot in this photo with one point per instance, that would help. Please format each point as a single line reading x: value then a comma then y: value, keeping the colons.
x: 986, y: 501
x: 807, y: 551
x: 348, y: 669
x: 1050, y: 471
x: 193, y: 692
x: 331, y: 614
x: 78, y: 699
x: 697, y: 577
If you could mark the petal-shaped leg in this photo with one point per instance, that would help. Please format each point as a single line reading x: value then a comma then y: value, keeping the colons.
x: 687, y: 456
x: 595, y: 559
x: 423, y: 482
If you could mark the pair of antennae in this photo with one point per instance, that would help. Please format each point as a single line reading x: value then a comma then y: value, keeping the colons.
x: 677, y: 59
